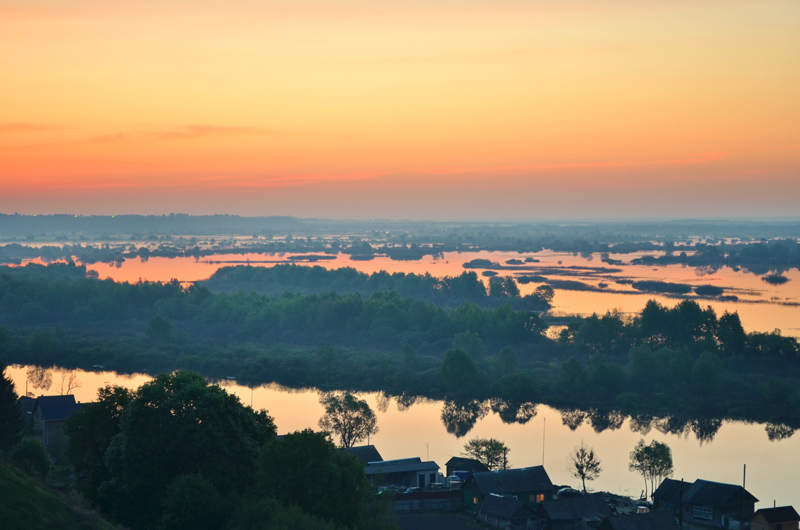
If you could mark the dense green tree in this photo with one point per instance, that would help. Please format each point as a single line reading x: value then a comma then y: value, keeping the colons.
x: 11, y: 413
x: 488, y: 451
x: 305, y: 469
x: 732, y: 338
x: 30, y: 455
x: 90, y: 431
x: 507, y: 360
x: 192, y: 502
x: 653, y: 462
x: 349, y: 418
x: 178, y: 424
x: 269, y: 514
x: 470, y: 343
x: 460, y: 373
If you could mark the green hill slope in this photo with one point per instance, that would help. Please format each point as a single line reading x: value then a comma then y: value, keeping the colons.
x: 26, y: 506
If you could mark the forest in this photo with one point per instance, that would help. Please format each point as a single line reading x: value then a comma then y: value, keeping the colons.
x: 683, y: 360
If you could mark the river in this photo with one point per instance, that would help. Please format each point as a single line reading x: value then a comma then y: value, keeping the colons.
x: 418, y: 430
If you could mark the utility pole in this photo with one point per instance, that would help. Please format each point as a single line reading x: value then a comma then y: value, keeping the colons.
x: 680, y: 507
x: 544, y: 427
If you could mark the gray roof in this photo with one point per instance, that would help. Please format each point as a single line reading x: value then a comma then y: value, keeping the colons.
x: 56, y: 408
x: 365, y: 453
x: 400, y: 466
x: 513, y: 480
x: 459, y: 463
x: 505, y: 508
x: 575, y: 508
x: 781, y: 514
x: 707, y: 493
x: 670, y: 490
x: 658, y: 520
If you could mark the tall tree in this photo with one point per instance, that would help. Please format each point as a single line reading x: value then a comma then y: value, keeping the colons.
x: 348, y: 417
x: 488, y: 451
x: 11, y: 413
x: 178, y: 424
x: 305, y: 469
x: 653, y: 462
x: 583, y: 464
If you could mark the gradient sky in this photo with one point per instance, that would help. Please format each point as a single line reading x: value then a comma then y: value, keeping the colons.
x: 436, y: 109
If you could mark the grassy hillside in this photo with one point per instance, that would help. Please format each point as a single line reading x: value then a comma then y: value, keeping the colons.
x: 26, y: 506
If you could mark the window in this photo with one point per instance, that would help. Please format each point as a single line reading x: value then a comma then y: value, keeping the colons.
x: 704, y: 512
x: 540, y: 497
x: 475, y: 500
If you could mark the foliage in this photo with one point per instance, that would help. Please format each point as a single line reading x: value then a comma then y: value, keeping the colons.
x: 461, y: 375
x: 30, y: 455
x: 192, y: 502
x: 269, y: 514
x: 349, y: 418
x: 174, y: 425
x: 11, y: 413
x: 305, y: 469
x: 653, y: 462
x: 583, y: 464
x: 90, y: 430
x: 488, y: 451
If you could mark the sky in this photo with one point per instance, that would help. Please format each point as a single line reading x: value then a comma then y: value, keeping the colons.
x: 432, y: 109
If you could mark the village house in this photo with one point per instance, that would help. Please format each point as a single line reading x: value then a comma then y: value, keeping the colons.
x: 409, y: 472
x: 505, y: 513
x: 467, y: 465
x: 49, y: 414
x: 706, y: 502
x: 530, y: 485
x: 365, y: 453
x: 574, y: 513
x: 780, y: 518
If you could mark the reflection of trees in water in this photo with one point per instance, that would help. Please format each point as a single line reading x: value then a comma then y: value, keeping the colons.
x: 777, y: 432
x: 573, y: 418
x: 641, y: 423
x: 40, y: 378
x: 459, y: 417
x: 705, y: 429
x: 382, y: 401
x: 602, y: 421
x: 404, y: 402
x: 513, y: 411
x: 672, y: 425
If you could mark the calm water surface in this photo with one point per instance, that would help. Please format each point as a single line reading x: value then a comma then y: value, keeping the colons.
x: 772, y: 467
x: 762, y: 307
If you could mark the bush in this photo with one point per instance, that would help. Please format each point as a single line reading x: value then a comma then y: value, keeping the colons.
x: 30, y: 455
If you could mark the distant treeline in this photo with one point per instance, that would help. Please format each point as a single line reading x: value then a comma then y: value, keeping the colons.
x: 27, y: 299
x: 449, y: 291
x: 684, y: 359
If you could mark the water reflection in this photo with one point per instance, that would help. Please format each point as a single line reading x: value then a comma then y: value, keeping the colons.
x: 602, y: 421
x: 513, y: 411
x: 459, y: 417
x: 404, y: 401
x: 573, y: 418
x: 778, y: 432
x: 641, y: 424
x: 705, y: 429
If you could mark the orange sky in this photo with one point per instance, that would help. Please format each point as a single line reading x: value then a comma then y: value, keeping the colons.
x: 433, y: 109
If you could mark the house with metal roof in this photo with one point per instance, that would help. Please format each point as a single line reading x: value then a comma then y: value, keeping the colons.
x: 530, y: 485
x: 458, y: 463
x: 409, y: 472
x: 574, y: 513
x: 780, y: 518
x: 658, y: 520
x: 49, y: 414
x: 505, y: 513
x: 365, y: 453
x: 706, y: 502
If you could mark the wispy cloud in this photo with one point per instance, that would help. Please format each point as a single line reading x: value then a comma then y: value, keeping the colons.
x: 24, y: 127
